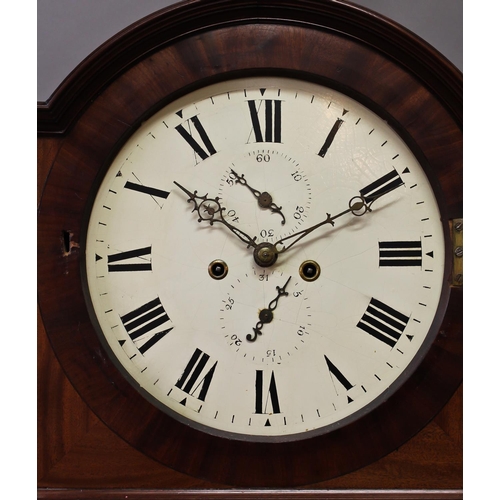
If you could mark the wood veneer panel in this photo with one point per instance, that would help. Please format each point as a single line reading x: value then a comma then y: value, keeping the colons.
x: 76, y: 450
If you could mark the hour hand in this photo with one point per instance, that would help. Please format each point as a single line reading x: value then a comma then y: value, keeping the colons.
x: 211, y: 211
x: 265, y: 200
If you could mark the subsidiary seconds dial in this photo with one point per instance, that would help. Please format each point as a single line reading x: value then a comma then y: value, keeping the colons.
x: 269, y: 188
x: 186, y: 298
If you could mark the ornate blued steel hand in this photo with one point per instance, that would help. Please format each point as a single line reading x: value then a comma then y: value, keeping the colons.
x: 265, y: 200
x: 266, y: 315
x: 211, y: 211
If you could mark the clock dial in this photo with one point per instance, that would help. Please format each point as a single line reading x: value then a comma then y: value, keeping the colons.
x: 277, y: 348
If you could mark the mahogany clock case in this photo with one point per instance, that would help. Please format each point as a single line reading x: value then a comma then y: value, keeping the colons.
x: 183, y: 48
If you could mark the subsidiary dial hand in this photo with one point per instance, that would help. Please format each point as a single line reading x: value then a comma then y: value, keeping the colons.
x: 265, y: 200
x: 266, y: 315
x: 210, y: 210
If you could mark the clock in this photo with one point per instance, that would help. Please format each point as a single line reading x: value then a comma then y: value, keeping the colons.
x: 265, y: 319
x: 250, y: 261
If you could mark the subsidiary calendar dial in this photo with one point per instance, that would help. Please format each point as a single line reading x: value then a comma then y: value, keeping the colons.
x: 274, y: 307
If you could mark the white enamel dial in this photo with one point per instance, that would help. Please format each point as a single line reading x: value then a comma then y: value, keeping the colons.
x: 265, y: 351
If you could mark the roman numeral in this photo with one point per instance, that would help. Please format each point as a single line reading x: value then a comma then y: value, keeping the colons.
x: 140, y: 188
x: 383, y: 322
x: 141, y: 323
x: 400, y: 253
x: 270, y: 130
x: 191, y: 381
x: 330, y: 137
x: 141, y: 254
x: 262, y: 400
x: 338, y: 375
x: 381, y: 186
x: 203, y: 151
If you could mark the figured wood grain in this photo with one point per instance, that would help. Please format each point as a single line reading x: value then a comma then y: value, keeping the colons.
x: 77, y: 451
x: 250, y: 495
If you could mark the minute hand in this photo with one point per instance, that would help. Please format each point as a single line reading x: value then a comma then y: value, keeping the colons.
x: 358, y: 206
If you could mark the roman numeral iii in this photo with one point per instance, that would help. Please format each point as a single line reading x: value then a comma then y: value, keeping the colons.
x: 266, y: 128
x: 383, y: 322
x: 191, y: 381
x: 142, y: 322
x: 203, y: 150
x: 400, y: 253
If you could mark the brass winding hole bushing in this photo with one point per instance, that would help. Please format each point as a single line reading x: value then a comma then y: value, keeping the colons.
x: 218, y: 269
x: 309, y: 270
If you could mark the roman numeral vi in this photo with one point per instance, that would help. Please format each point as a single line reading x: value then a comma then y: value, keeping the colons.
x: 143, y: 255
x: 261, y: 399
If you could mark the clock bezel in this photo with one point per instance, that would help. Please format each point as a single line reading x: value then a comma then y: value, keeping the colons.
x: 88, y: 366
x: 444, y: 296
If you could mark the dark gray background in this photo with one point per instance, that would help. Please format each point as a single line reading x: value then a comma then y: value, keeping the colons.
x: 69, y: 30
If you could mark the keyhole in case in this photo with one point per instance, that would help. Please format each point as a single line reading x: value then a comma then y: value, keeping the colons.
x: 67, y: 242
